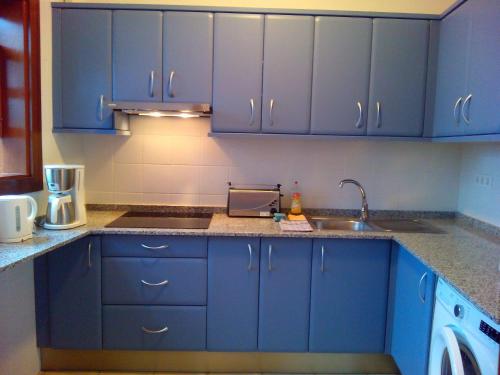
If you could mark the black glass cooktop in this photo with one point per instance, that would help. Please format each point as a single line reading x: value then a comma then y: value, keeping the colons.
x: 165, y: 220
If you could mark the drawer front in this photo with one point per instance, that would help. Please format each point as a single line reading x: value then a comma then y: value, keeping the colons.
x: 154, y: 246
x: 157, y: 281
x: 177, y: 327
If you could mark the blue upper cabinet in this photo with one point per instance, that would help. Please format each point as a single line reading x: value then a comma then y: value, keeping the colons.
x: 285, y: 282
x: 233, y: 294
x: 82, y: 68
x: 350, y: 281
x: 341, y: 75
x: 288, y: 54
x: 137, y: 55
x: 237, y: 75
x: 74, y: 279
x: 412, y: 303
x: 187, y: 57
x: 398, y: 77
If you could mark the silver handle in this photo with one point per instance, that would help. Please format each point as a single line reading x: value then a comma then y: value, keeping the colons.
x: 422, y: 298
x: 464, y: 106
x: 161, y: 283
x: 360, y: 116
x: 101, y: 108
x: 270, y: 254
x: 170, y: 91
x: 152, y: 332
x: 89, y: 255
x: 456, y: 114
x: 252, y: 110
x: 250, y: 256
x: 322, y: 268
x: 271, y: 108
x: 154, y: 247
x: 379, y: 107
x: 151, y: 83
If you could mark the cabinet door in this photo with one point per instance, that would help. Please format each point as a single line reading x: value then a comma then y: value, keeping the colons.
x: 451, y: 81
x: 398, y: 77
x: 233, y: 294
x: 286, y: 94
x: 341, y: 75
x: 187, y: 57
x: 285, y: 280
x: 137, y: 60
x: 85, y: 68
x: 483, y: 108
x: 238, y: 48
x: 350, y: 281
x: 75, y: 295
x: 413, y: 300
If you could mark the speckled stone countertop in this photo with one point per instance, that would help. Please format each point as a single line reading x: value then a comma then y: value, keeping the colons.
x: 465, y: 257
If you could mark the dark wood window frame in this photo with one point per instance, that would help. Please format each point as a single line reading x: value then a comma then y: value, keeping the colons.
x: 33, y: 179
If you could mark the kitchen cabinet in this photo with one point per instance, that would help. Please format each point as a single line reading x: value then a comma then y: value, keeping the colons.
x: 286, y: 92
x: 341, y: 75
x: 237, y: 76
x: 82, y: 68
x: 350, y: 281
x: 187, y: 57
x: 74, y: 294
x: 137, y: 55
x: 412, y: 307
x: 285, y: 280
x: 398, y: 77
x: 233, y: 294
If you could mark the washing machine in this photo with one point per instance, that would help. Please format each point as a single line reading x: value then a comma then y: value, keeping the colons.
x: 464, y: 341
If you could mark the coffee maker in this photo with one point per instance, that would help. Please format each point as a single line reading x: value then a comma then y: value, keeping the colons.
x: 66, y: 205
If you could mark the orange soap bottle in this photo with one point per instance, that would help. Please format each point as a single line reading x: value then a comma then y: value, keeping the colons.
x: 296, y: 206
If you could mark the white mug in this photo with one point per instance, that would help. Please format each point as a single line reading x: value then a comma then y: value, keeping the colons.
x: 15, y: 223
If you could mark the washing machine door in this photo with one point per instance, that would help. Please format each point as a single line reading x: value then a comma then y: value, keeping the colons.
x: 457, y: 358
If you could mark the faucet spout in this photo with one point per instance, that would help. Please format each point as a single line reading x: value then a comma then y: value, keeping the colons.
x: 364, y: 203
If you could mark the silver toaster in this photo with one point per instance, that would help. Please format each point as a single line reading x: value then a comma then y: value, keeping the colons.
x: 253, y: 201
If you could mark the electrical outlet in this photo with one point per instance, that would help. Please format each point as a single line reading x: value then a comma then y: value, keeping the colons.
x: 483, y: 180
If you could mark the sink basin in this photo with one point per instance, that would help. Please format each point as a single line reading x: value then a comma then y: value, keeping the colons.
x: 328, y: 223
x: 405, y: 226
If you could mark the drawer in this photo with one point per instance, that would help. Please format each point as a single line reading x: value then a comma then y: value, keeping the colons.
x: 154, y: 246
x: 169, y: 327
x: 157, y: 281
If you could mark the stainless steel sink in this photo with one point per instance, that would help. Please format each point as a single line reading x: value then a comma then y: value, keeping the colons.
x: 404, y: 226
x: 391, y: 225
x: 328, y: 223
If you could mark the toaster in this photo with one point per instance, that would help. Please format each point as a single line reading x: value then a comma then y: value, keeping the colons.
x: 253, y: 201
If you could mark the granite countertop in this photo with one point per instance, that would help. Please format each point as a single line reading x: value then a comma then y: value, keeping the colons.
x: 465, y: 257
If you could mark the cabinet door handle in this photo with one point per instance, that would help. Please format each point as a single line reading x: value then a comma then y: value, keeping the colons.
x: 89, y: 255
x: 420, y: 296
x: 153, y: 332
x: 360, y: 116
x: 322, y: 267
x: 269, y: 262
x: 465, y: 106
x: 170, y: 90
x: 252, y: 112
x: 154, y: 247
x: 151, y: 83
x: 271, y: 109
x: 250, y: 257
x: 456, y: 110
x: 379, y: 115
x: 100, y: 111
x: 161, y: 283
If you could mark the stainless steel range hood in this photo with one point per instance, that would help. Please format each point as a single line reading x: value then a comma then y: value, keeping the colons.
x: 183, y: 110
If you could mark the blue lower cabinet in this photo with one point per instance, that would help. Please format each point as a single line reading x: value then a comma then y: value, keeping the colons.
x: 412, y: 308
x: 285, y: 286
x: 74, y: 292
x: 233, y: 294
x: 350, y: 281
x: 154, y: 327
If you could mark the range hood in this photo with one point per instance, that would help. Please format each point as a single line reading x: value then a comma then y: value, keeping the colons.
x: 160, y: 109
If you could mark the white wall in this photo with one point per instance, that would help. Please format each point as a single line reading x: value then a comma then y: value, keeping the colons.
x: 480, y: 162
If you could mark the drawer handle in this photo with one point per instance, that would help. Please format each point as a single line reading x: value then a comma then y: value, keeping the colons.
x: 164, y: 282
x: 420, y: 296
x: 250, y: 257
x: 322, y: 267
x: 154, y: 247
x: 153, y: 332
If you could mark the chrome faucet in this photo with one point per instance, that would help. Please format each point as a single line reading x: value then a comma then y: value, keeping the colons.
x: 364, y: 204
